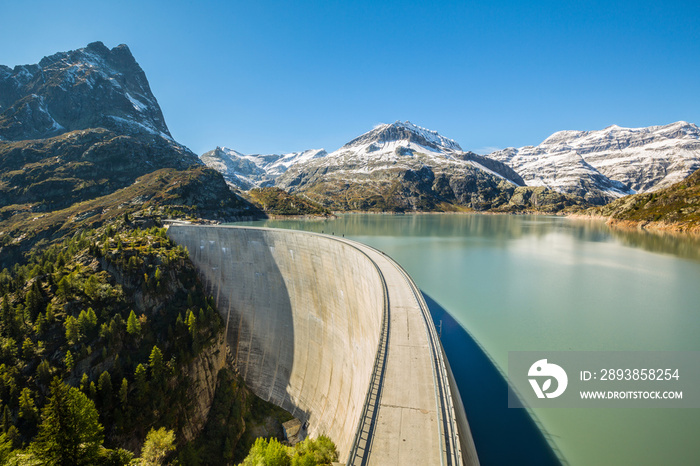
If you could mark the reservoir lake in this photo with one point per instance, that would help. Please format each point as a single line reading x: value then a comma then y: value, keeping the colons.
x: 500, y: 283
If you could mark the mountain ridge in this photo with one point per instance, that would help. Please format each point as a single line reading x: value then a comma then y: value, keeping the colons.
x: 248, y: 171
x: 673, y: 208
x: 97, y: 129
x: 607, y: 164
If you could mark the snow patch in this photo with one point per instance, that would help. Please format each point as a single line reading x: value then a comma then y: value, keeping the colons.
x: 137, y: 104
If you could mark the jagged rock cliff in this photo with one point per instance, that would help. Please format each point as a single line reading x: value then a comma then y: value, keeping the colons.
x: 79, y: 125
x: 92, y: 87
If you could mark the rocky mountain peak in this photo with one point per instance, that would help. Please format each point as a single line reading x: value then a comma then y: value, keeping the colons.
x: 404, y: 131
x: 85, y: 88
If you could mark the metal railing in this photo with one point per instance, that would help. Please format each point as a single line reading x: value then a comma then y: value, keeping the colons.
x: 362, y: 443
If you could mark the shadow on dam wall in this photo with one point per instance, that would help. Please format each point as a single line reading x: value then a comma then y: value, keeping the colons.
x: 303, y: 315
x: 502, y: 435
x: 234, y: 277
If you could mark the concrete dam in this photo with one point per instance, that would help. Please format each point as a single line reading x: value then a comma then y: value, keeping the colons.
x: 336, y: 333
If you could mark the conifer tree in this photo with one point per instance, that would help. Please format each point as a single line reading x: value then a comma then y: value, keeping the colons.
x: 73, y: 334
x: 155, y: 363
x: 70, y: 432
x: 124, y: 392
x: 104, y: 385
x: 133, y: 326
x: 140, y: 380
x: 69, y: 361
x: 27, y: 410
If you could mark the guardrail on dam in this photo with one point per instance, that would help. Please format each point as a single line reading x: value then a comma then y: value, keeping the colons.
x: 337, y: 334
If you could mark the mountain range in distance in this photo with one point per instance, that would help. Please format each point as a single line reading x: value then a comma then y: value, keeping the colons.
x: 393, y: 167
x: 597, y: 166
x: 84, y: 123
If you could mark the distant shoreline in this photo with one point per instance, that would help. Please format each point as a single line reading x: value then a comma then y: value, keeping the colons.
x: 675, y: 228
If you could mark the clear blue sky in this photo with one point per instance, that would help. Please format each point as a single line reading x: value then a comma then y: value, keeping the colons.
x: 283, y: 76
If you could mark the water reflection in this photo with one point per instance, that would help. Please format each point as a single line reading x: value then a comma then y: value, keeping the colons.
x: 493, y: 228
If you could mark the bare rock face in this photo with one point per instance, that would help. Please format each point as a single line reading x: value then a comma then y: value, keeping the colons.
x: 92, y: 87
x: 203, y: 372
x: 604, y: 165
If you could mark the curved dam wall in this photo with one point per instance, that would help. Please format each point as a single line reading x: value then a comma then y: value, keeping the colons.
x: 303, y: 317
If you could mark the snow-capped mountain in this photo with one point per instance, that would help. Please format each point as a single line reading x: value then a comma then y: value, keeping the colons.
x: 400, y: 145
x: 610, y: 163
x: 401, y: 166
x: 92, y: 87
x: 256, y: 170
x: 389, y: 136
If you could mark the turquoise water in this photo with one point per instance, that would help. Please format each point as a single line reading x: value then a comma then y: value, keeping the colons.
x: 550, y: 283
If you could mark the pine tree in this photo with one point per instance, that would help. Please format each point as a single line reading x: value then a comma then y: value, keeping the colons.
x: 43, y: 372
x: 192, y: 324
x: 140, y: 381
x: 40, y: 324
x: 104, y: 385
x: 34, y: 300
x: 27, y: 348
x: 83, y: 323
x: 69, y: 361
x: 6, y: 419
x: 5, y: 315
x: 85, y: 384
x: 133, y: 326
x: 70, y: 432
x: 155, y: 363
x: 124, y: 393
x: 27, y: 410
x: 73, y: 333
x: 91, y: 317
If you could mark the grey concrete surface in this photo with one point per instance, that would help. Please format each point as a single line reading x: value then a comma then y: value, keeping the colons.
x: 337, y: 334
